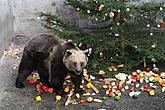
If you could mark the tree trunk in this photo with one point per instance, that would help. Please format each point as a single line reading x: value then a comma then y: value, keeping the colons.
x: 122, y: 43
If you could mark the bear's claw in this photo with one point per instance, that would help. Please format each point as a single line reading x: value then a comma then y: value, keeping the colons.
x: 79, y: 91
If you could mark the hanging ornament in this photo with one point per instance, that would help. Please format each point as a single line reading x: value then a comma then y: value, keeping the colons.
x: 119, y: 11
x: 88, y: 11
x: 101, y: 54
x: 111, y: 14
x: 153, y: 46
x: 153, y: 59
x: 131, y: 15
x: 144, y: 62
x: 101, y: 7
x: 78, y: 9
x: 154, y: 65
x: 158, y: 25
x: 118, y: 23
x: 81, y: 14
x: 161, y: 8
x: 148, y: 25
x: 38, y: 17
x: 55, y: 22
x: 125, y: 20
x: 116, y: 35
x: 96, y: 19
x: 151, y: 34
x: 60, y: 30
x: 128, y: 9
x: 162, y: 24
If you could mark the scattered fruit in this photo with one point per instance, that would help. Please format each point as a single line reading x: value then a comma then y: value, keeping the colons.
x: 117, y: 98
x: 146, y: 81
x: 163, y: 89
x: 101, y: 72
x: 50, y: 90
x: 111, y: 94
x: 152, y: 92
x: 86, y: 94
x: 132, y: 89
x: 38, y: 90
x: 90, y: 85
x: 38, y: 85
x: 45, y: 88
x: 78, y: 95
x: 81, y: 101
x: 38, y: 98
x: 97, y: 100
x: 89, y: 99
x: 58, y: 98
x: 31, y: 82
x: 66, y: 89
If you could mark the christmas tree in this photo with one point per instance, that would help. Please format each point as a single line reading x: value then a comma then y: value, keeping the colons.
x: 133, y: 32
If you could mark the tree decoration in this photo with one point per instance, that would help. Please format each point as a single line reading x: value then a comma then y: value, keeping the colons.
x: 126, y: 42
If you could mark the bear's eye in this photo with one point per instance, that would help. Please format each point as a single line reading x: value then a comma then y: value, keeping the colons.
x: 75, y: 63
x: 82, y: 64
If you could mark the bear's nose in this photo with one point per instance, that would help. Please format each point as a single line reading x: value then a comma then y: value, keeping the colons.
x: 78, y: 71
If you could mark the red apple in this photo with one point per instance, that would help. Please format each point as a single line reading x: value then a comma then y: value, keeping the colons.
x: 81, y: 101
x: 111, y: 94
x: 31, y: 82
x: 132, y: 89
x: 38, y: 90
x: 38, y: 85
x: 45, y: 88
x: 50, y: 90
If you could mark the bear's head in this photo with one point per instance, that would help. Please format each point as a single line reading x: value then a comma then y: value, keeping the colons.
x: 75, y: 60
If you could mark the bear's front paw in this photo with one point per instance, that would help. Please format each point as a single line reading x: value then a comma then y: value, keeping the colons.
x: 79, y: 90
x: 61, y: 93
x: 20, y: 85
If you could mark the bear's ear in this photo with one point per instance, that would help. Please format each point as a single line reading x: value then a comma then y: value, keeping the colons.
x: 68, y: 53
x: 70, y: 45
x: 88, y: 51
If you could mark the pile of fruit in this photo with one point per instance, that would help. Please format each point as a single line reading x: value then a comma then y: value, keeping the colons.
x: 134, y: 83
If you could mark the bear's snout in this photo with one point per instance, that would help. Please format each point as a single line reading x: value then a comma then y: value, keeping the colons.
x: 78, y: 71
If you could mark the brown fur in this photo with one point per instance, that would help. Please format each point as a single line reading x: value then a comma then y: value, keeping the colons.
x: 52, y: 58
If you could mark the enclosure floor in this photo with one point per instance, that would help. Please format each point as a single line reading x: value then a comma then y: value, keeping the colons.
x: 12, y: 98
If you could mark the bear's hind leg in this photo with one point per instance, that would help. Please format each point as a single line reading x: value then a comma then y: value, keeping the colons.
x: 58, y: 85
x: 25, y: 68
x: 44, y: 77
x: 56, y: 77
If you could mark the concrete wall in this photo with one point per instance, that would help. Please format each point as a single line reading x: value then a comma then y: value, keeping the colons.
x: 25, y: 14
x: 6, y: 25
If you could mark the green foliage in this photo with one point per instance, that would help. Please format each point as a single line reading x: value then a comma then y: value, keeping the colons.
x: 107, y: 50
x: 119, y: 12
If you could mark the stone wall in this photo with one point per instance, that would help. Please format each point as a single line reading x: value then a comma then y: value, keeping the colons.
x: 25, y: 14
x: 6, y: 25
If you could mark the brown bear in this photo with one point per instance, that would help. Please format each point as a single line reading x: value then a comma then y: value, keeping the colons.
x: 53, y: 58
